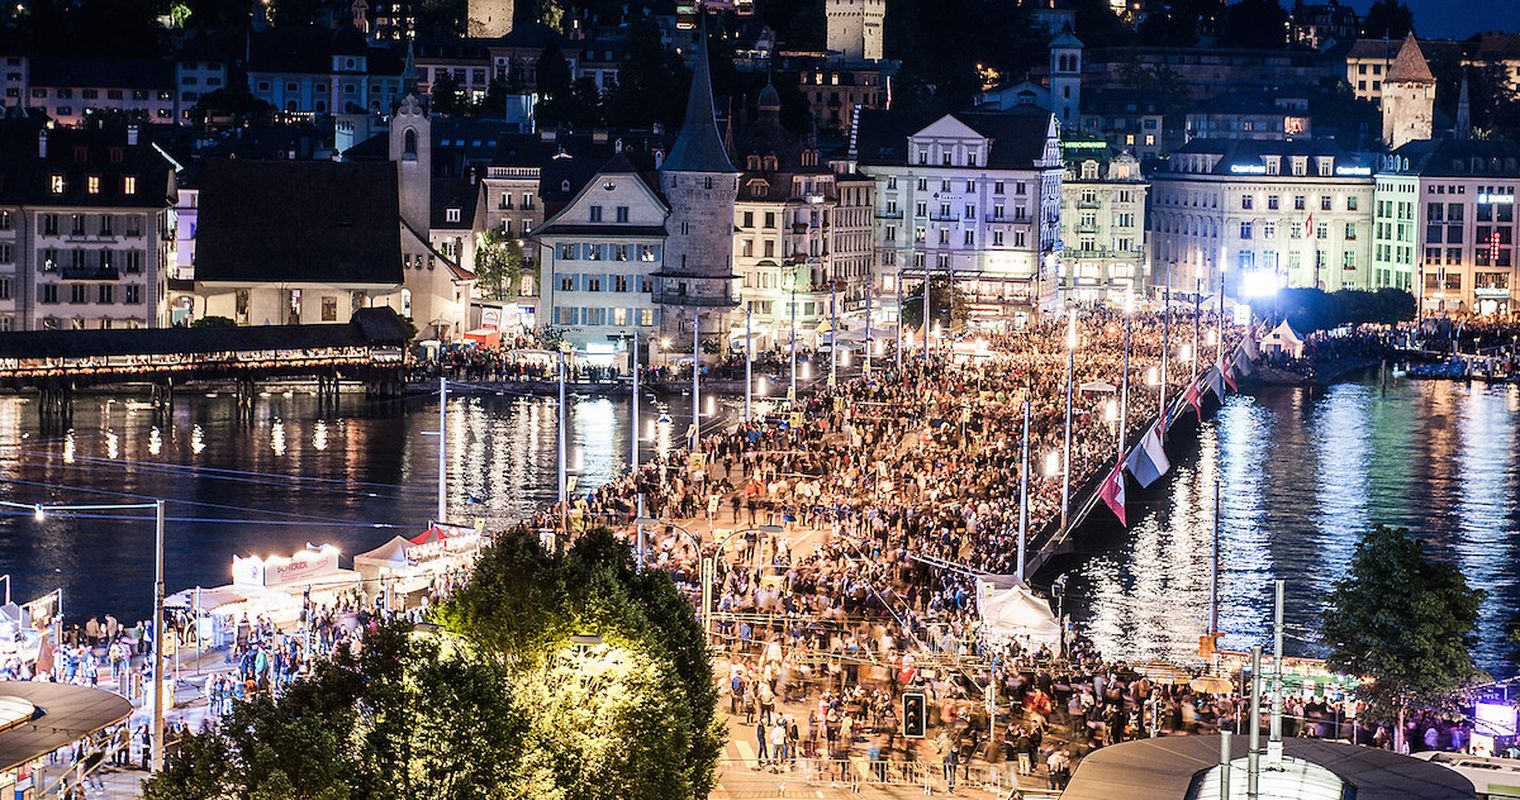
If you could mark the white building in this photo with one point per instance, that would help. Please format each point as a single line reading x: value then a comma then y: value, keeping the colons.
x: 975, y: 196
x: 1445, y: 225
x: 1409, y: 97
x: 1102, y: 224
x: 599, y: 257
x: 86, y: 229
x: 1274, y: 214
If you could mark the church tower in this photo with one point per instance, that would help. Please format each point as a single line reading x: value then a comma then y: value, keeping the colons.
x: 1409, y: 97
x: 1066, y: 78
x: 411, y: 146
x: 854, y: 28
x: 700, y: 185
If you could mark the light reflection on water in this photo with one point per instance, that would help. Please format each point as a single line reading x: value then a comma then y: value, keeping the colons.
x: 338, y: 477
x: 1303, y: 475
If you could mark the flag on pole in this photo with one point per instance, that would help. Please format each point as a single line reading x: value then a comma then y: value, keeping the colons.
x: 1112, y: 492
x: 1248, y: 345
x: 1215, y: 382
x: 1223, y: 367
x: 1194, y: 396
x: 1148, y: 461
x: 1242, y: 363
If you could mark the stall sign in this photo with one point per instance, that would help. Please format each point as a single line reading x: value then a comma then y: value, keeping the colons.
x: 300, y: 567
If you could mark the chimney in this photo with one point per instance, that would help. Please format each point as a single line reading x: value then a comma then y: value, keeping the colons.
x: 131, y: 135
x: 42, y: 143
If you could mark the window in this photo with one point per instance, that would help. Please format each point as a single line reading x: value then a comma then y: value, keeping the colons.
x: 1351, y: 231
x: 92, y: 184
x: 567, y: 283
x: 1298, y: 202
x: 997, y: 187
x: 451, y: 215
x: 49, y: 293
x: 55, y: 182
x: 107, y: 225
x: 1324, y: 203
x: 997, y: 238
x: 620, y: 284
x: 78, y: 293
x: 596, y: 213
x: 5, y: 220
x: 622, y: 214
x: 5, y: 253
x: 1351, y: 203
x: 132, y: 293
x: 1247, y: 202
x: 5, y: 288
x: 105, y: 294
x: 76, y: 226
x: 1245, y: 230
x: 1272, y: 202
x: 134, y: 261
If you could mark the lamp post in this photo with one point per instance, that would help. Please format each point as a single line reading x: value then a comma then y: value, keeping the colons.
x: 443, y: 449
x: 1071, y: 365
x: 696, y: 380
x: 749, y: 353
x: 40, y: 513
x: 633, y: 427
x: 791, y: 279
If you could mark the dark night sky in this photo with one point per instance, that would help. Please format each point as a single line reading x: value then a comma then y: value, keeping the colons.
x: 1458, y: 19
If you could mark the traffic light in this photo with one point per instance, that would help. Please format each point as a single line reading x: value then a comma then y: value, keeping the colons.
x: 915, y: 715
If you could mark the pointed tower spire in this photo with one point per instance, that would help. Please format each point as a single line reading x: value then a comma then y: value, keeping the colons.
x: 409, y: 77
x: 699, y: 147
x: 1464, y: 112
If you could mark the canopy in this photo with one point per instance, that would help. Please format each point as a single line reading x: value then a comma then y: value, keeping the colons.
x: 390, y: 554
x: 433, y: 534
x: 1014, y: 613
x: 212, y: 600
x: 1099, y: 386
x: 1283, y: 339
x: 485, y: 337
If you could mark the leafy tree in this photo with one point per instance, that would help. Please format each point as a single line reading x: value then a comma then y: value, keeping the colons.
x: 498, y: 265
x: 652, y: 81
x: 1256, y: 24
x: 942, y: 307
x: 1403, y: 621
x: 1389, y: 19
x: 627, y: 717
x: 213, y: 322
x: 396, y: 719
x: 448, y: 95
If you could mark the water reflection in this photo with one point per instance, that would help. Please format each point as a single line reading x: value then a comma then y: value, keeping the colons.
x: 1303, y: 473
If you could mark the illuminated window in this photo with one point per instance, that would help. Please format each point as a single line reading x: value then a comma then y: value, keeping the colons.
x: 92, y: 184
x: 56, y: 184
x: 129, y: 184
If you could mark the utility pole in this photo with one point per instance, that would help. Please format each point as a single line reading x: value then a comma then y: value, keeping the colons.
x: 443, y: 448
x: 1253, y: 757
x: 158, y: 635
x: 633, y: 426
x: 696, y: 380
x: 1274, y: 738
x: 749, y: 353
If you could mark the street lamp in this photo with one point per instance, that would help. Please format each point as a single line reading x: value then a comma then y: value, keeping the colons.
x: 40, y: 512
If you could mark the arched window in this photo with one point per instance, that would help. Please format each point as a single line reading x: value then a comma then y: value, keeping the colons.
x: 409, y: 144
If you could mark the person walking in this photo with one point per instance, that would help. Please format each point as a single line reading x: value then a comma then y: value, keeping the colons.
x: 761, y: 738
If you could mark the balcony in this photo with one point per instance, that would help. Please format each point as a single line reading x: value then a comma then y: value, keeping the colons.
x: 96, y: 273
x: 673, y: 299
x: 889, y: 215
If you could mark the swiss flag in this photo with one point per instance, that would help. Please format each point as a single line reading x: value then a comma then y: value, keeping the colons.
x: 1195, y: 397
x: 1229, y: 374
x: 1112, y: 492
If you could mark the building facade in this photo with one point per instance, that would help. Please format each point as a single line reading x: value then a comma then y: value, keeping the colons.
x: 1409, y: 97
x: 1445, y: 225
x: 1272, y: 214
x: 854, y: 28
x: 1103, y: 202
x: 972, y: 196
x: 86, y: 229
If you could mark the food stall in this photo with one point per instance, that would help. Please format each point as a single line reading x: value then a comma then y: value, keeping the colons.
x: 403, y: 566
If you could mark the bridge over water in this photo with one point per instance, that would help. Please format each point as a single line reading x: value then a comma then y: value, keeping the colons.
x: 369, y: 349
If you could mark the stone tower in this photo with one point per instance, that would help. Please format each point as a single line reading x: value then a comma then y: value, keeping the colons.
x: 1409, y: 97
x: 489, y: 19
x: 1066, y: 78
x: 411, y: 148
x: 700, y: 185
x: 854, y: 28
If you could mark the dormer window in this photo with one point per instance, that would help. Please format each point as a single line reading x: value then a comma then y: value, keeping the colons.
x: 564, y: 186
x: 81, y: 153
x: 55, y: 184
x: 771, y: 163
x: 752, y: 163
x: 92, y: 184
x: 451, y: 214
x: 129, y: 184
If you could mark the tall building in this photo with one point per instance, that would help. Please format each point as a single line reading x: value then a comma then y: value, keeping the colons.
x: 1445, y: 224
x: 1102, y: 223
x: 971, y: 196
x: 1066, y: 78
x: 1409, y: 97
x: 86, y: 228
x: 854, y: 28
x: 489, y: 19
x: 803, y: 249
x: 700, y: 185
x: 1272, y: 213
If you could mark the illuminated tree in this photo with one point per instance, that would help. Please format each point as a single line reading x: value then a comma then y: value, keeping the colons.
x: 1404, y: 621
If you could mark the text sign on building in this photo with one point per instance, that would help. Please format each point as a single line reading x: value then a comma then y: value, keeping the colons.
x: 300, y: 567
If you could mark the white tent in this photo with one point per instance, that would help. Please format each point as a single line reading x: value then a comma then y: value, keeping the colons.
x: 1283, y: 339
x: 391, y: 555
x: 1014, y: 613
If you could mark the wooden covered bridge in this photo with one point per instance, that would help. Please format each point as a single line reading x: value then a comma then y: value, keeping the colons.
x: 369, y: 349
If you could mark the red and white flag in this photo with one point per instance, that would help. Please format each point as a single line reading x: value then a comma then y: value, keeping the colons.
x: 1194, y: 395
x: 1228, y: 371
x: 1112, y: 492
